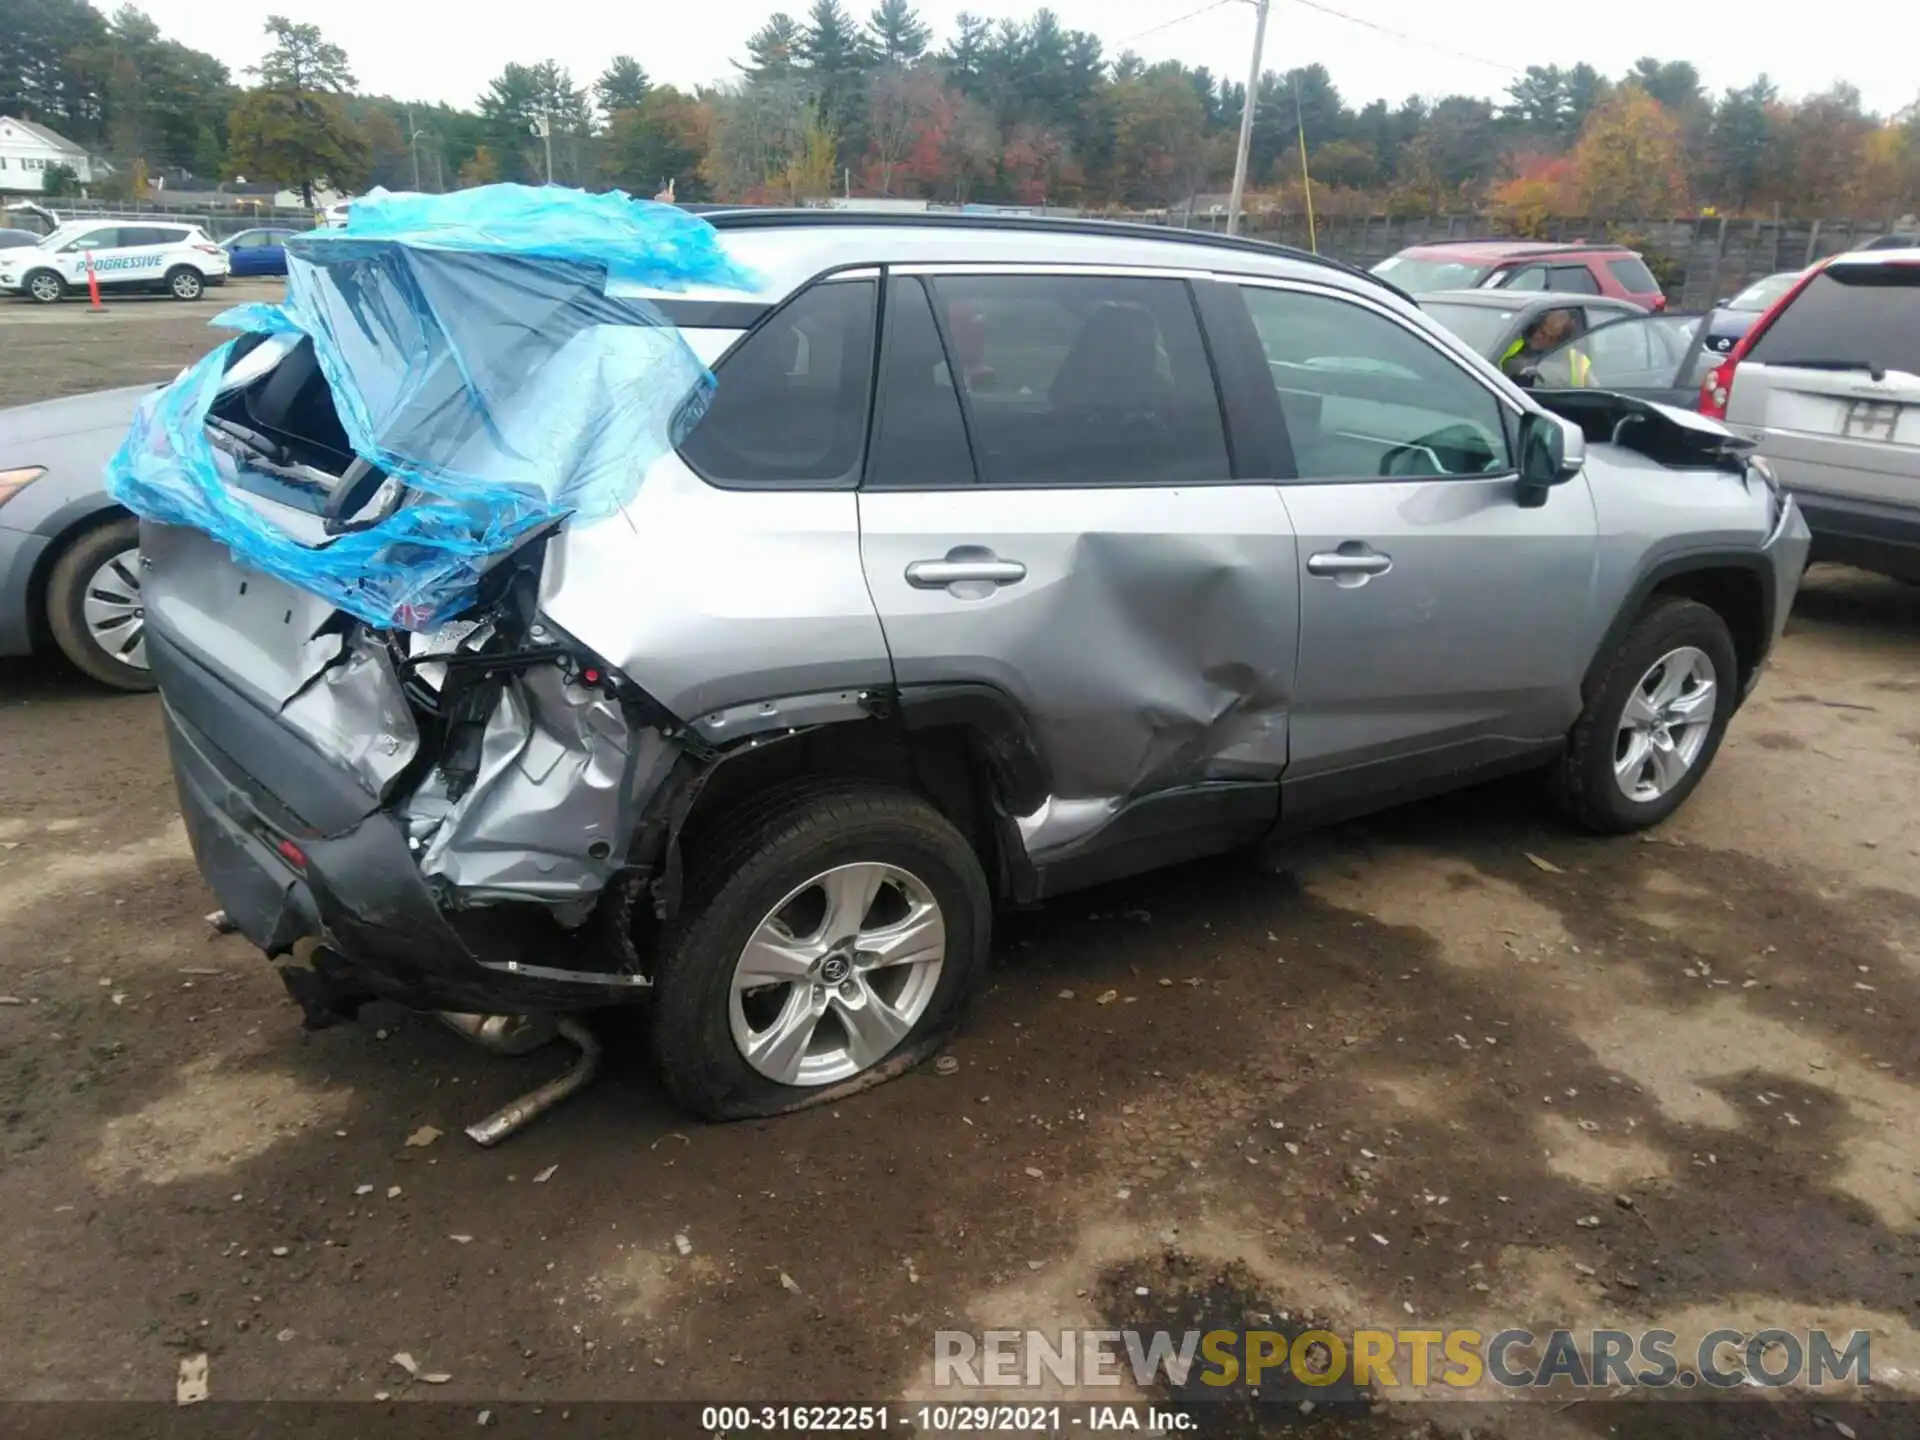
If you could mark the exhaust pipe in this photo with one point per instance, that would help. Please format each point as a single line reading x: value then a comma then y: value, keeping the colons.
x: 503, y: 1034
x: 523, y: 1112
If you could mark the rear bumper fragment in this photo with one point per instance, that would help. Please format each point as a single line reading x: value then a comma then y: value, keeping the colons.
x: 350, y: 883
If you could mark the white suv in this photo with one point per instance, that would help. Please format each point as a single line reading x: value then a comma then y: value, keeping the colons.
x: 180, y: 260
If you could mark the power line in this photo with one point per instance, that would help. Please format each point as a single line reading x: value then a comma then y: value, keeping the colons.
x: 1169, y: 24
x: 1410, y: 39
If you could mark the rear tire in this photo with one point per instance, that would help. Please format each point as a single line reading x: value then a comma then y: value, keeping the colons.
x: 1642, y: 744
x: 185, y: 283
x: 105, y: 642
x: 760, y: 868
x: 44, y: 286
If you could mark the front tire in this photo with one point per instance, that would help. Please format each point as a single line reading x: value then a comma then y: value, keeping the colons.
x: 44, y: 286
x: 1654, y: 722
x: 94, y: 606
x: 185, y: 283
x: 830, y: 939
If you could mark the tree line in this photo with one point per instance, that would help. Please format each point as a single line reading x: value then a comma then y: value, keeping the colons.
x: 1010, y: 110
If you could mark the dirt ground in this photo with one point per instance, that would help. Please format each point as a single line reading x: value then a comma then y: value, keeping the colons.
x: 51, y: 350
x: 1455, y: 1063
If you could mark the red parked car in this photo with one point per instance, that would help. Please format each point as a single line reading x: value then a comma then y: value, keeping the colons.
x: 1575, y: 269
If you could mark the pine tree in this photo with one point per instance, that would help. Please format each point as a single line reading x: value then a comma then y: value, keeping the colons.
x: 897, y: 34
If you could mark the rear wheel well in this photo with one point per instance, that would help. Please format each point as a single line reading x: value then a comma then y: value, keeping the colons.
x: 1734, y: 594
x: 943, y: 764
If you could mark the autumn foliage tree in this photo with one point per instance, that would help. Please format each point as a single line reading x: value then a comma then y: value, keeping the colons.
x: 1541, y: 187
x: 294, y: 129
x: 1631, y: 158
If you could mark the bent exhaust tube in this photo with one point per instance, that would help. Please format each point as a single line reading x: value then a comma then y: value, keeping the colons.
x: 502, y: 1034
x: 530, y: 1107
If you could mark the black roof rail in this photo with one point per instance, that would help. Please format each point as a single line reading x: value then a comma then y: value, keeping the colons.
x: 749, y: 218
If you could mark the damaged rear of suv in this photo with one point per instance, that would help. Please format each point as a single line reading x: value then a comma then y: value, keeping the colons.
x: 1006, y: 559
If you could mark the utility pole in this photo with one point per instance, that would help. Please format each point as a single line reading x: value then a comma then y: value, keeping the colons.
x: 413, y: 144
x: 543, y: 127
x: 1246, y: 120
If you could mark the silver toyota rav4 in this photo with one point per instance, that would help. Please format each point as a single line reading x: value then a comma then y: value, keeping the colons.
x: 1011, y: 557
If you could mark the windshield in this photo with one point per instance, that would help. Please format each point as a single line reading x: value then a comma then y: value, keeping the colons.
x: 1481, y: 326
x: 1762, y: 293
x: 1849, y: 316
x: 1423, y: 277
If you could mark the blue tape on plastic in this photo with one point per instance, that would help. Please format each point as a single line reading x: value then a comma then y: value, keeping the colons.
x: 472, y: 354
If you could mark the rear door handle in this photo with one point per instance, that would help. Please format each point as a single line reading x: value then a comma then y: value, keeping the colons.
x: 1354, y: 563
x: 988, y: 569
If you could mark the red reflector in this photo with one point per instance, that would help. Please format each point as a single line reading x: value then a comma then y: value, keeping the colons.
x: 293, y: 854
x: 592, y: 677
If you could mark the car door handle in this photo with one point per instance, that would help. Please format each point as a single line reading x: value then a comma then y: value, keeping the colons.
x: 939, y: 574
x: 1358, y: 562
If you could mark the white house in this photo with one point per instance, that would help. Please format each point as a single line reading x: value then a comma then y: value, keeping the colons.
x: 27, y: 150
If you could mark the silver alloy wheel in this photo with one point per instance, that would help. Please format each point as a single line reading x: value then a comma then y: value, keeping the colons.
x: 187, y: 285
x: 45, y: 287
x: 1665, y: 724
x: 837, y: 974
x: 116, y: 616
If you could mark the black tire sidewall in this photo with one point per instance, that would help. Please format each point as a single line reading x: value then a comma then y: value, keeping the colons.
x: 1667, y: 628
x: 66, y: 602
x: 26, y: 288
x: 693, y: 1043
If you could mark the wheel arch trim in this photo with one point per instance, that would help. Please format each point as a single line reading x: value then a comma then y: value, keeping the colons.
x: 1692, y: 562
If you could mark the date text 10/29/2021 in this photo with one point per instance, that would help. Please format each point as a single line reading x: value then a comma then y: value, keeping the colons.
x: 961, y: 1419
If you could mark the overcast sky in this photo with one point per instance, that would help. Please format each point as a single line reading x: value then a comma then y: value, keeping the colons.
x: 448, y: 49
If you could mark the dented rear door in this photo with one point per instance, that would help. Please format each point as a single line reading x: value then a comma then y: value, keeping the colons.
x: 1051, y: 508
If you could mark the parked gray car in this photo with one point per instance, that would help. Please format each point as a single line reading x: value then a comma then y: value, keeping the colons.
x: 1828, y: 384
x: 69, y: 556
x: 1012, y: 557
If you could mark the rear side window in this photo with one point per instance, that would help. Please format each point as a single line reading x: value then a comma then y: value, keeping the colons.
x: 151, y: 235
x: 791, y: 407
x: 1573, y: 280
x: 919, y: 437
x: 1083, y: 380
x: 1849, y: 316
x: 1532, y: 277
x: 1634, y: 277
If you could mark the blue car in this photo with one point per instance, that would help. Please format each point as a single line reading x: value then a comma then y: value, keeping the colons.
x: 259, y: 252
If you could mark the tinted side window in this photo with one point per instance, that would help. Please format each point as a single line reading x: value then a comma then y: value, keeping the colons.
x: 1864, y: 315
x: 1533, y: 277
x: 248, y: 240
x: 1365, y: 397
x: 1083, y: 380
x: 919, y: 437
x: 150, y: 235
x: 94, y: 240
x: 791, y: 408
x: 1573, y: 280
x: 1634, y: 277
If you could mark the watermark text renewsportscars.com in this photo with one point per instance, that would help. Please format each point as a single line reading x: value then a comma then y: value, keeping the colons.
x: 1402, y: 1357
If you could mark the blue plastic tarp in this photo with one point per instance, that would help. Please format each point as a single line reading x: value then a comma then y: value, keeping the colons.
x: 473, y: 355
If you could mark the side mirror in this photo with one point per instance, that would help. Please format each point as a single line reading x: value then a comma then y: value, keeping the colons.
x: 1552, y: 452
x: 1723, y: 302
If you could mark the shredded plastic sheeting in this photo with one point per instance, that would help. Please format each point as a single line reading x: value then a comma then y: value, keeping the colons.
x: 473, y: 355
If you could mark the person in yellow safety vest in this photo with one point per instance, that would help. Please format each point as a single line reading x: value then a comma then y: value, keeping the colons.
x: 1546, y: 334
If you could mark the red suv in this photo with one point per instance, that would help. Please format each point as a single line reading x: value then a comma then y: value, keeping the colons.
x: 1575, y: 269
